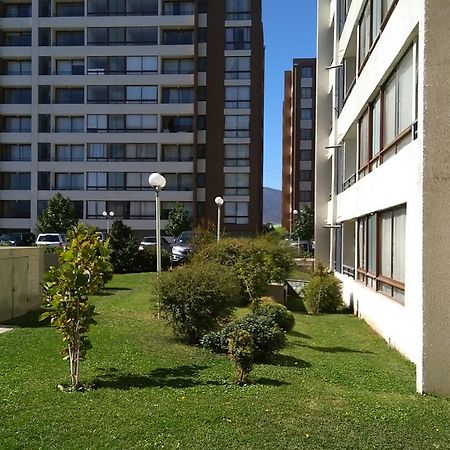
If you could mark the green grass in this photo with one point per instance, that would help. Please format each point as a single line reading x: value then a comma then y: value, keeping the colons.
x: 337, y: 386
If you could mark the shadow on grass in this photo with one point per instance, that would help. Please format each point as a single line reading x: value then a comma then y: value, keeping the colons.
x: 288, y: 361
x: 337, y: 349
x: 298, y: 334
x: 29, y: 320
x: 176, y: 377
x: 270, y: 382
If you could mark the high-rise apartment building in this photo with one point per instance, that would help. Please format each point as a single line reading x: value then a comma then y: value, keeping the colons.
x: 299, y: 112
x: 382, y: 171
x: 97, y: 94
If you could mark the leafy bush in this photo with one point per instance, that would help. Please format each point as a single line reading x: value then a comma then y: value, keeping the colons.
x: 266, y: 334
x: 240, y: 350
x: 278, y: 313
x: 197, y: 299
x: 146, y: 260
x: 203, y: 234
x: 323, y: 294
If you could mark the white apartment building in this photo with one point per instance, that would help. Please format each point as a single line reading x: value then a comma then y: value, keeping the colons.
x: 382, y: 171
x: 97, y: 94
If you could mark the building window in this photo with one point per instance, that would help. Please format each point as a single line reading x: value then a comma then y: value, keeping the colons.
x: 306, y: 92
x: 16, y: 95
x: 375, y: 15
x: 17, y: 124
x: 238, y: 10
x: 306, y: 72
x: 305, y: 175
x: 305, y: 155
x: 238, y: 38
x: 179, y: 8
x: 17, y: 10
x: 122, y: 94
x: 178, y: 124
x: 123, y: 36
x: 69, y: 38
x: 69, y: 181
x: 306, y: 134
x: 122, y: 7
x: 237, y: 184
x: 15, y: 152
x: 69, y: 152
x: 306, y: 114
x: 17, y: 67
x: 178, y: 95
x: 177, y: 37
x: 17, y: 39
x: 396, y: 103
x: 178, y: 66
x: 305, y: 196
x: 174, y: 152
x: 15, y: 209
x: 237, y: 67
x: 113, y: 65
x: 70, y: 67
x: 381, y: 251
x: 15, y: 181
x: 237, y: 97
x: 70, y: 9
x: 237, y: 155
x: 69, y: 124
x: 70, y: 95
x: 236, y: 213
x: 237, y: 126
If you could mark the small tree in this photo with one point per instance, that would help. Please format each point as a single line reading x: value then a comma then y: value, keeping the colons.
x: 240, y: 350
x: 304, y: 225
x: 83, y: 265
x: 179, y: 220
x: 124, y: 248
x: 59, y: 216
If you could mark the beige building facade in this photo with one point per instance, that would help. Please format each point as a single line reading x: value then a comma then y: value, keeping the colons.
x: 97, y: 94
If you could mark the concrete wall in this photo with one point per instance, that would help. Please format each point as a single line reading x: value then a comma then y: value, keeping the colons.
x: 434, y: 369
x: 21, y: 275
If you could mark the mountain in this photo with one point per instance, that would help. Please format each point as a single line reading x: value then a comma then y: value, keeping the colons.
x: 271, y: 205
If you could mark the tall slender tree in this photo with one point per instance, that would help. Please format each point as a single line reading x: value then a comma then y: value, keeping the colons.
x: 59, y: 216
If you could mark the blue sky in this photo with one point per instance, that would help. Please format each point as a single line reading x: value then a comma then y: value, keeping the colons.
x: 289, y: 32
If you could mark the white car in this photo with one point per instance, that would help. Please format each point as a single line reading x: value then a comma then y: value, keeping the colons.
x: 51, y: 240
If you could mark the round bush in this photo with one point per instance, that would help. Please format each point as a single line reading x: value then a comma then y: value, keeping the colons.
x: 278, y: 313
x: 323, y: 294
x: 146, y: 260
x: 197, y: 299
x: 266, y: 334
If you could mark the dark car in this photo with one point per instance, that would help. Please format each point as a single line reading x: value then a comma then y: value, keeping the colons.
x: 181, y: 248
x: 17, y: 239
x: 150, y: 241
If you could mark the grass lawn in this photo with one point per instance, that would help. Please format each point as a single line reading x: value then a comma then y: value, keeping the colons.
x: 337, y: 386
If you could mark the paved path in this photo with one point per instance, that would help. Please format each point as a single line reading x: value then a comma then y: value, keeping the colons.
x: 4, y: 330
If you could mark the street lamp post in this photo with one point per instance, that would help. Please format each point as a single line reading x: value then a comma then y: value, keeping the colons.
x: 107, y: 216
x: 157, y: 181
x: 294, y: 219
x: 219, y: 202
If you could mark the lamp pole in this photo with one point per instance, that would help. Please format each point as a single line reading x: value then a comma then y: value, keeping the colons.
x: 219, y: 202
x: 157, y: 181
x: 107, y: 216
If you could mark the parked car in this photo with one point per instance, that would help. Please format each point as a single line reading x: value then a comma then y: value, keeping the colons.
x: 150, y: 241
x: 181, y: 248
x: 17, y: 239
x: 51, y: 240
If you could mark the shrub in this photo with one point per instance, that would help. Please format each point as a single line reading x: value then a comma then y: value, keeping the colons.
x: 278, y: 257
x: 323, y: 293
x: 240, y: 350
x: 278, y: 313
x: 146, y: 260
x: 124, y: 248
x: 197, y: 299
x: 246, y: 261
x: 266, y: 334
